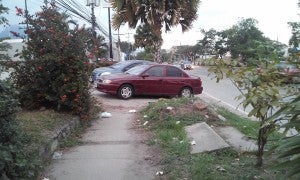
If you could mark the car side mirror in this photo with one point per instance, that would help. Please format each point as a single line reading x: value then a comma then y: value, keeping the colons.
x: 145, y: 75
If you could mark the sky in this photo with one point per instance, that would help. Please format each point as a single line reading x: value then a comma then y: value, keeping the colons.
x: 272, y: 17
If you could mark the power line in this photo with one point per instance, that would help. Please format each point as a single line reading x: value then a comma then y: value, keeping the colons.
x: 76, y: 9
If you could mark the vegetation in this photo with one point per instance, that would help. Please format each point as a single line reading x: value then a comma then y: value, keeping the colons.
x: 54, y: 73
x: 3, y: 46
x: 177, y: 161
x: 17, y: 159
x: 96, y: 46
x: 262, y: 85
x: 153, y: 14
x: 287, y: 150
x: 127, y: 48
x: 260, y: 90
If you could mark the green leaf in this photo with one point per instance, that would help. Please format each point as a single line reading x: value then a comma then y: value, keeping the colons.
x: 253, y: 112
x: 263, y: 110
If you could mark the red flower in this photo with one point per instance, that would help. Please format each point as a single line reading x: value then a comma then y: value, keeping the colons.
x: 91, y: 55
x: 19, y: 11
x: 28, y: 31
x: 39, y: 68
x: 63, y: 98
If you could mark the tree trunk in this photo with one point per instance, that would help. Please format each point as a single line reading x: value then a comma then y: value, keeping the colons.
x: 157, y: 53
x: 262, y: 140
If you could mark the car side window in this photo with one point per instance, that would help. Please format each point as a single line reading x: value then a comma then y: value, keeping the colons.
x: 156, y: 71
x: 173, y: 72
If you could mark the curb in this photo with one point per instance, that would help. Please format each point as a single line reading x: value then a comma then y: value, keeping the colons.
x: 46, y: 150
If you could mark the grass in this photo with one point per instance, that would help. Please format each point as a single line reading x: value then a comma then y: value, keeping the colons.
x: 178, y: 163
x: 248, y: 127
x: 41, y: 125
x: 244, y: 125
x: 73, y: 139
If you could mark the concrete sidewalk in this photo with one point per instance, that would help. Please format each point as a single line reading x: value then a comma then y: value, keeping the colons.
x: 209, y: 139
x: 111, y: 150
x: 114, y: 150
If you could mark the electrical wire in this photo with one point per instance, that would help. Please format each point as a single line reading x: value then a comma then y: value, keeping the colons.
x: 75, y: 8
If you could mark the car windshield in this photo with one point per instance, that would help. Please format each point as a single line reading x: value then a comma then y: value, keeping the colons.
x: 291, y: 66
x: 120, y: 65
x: 285, y: 65
x: 137, y: 70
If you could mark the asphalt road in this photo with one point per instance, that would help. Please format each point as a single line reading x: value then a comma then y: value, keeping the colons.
x: 224, y: 91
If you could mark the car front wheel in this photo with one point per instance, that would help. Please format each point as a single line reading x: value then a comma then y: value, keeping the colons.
x: 125, y: 91
x: 186, y: 92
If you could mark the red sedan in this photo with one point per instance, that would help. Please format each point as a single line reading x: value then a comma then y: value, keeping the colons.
x: 155, y: 79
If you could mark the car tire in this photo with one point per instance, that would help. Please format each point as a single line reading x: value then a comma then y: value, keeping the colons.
x: 186, y: 92
x: 125, y: 91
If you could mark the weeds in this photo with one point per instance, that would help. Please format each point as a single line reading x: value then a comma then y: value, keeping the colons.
x: 168, y: 124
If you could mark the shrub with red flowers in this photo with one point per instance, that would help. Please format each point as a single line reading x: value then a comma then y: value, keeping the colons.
x: 54, y: 73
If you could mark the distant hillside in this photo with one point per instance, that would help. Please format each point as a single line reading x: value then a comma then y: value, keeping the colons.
x: 6, y: 33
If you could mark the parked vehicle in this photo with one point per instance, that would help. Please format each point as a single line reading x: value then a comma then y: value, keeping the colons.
x: 155, y: 79
x: 186, y: 65
x: 119, y: 67
x: 290, y: 71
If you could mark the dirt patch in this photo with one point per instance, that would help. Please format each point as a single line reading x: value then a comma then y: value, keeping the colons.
x: 154, y: 154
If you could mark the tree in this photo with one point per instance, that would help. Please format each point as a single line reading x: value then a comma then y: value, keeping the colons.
x: 146, y: 38
x: 259, y: 89
x: 186, y: 52
x: 96, y: 45
x: 221, y: 47
x: 3, y: 20
x: 156, y: 14
x: 54, y: 72
x: 294, y: 41
x: 208, y: 42
x: 145, y: 55
x: 242, y: 39
x: 127, y: 48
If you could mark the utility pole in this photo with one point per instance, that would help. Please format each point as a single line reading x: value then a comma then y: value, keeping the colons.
x: 119, y: 42
x: 26, y: 13
x: 93, y: 4
x: 108, y: 6
x: 110, y: 37
x: 130, y: 45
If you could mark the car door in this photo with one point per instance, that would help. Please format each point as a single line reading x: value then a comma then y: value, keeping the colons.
x: 151, y: 81
x: 173, y: 81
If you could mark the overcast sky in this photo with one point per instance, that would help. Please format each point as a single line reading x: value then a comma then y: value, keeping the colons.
x: 272, y: 16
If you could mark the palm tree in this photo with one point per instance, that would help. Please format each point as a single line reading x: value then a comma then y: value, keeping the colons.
x: 145, y: 38
x: 156, y: 14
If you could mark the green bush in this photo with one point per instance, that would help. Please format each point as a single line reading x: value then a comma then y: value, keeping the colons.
x: 16, y: 159
x: 55, y: 70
